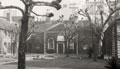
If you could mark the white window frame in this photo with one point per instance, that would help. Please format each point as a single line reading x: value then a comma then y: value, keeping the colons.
x: 49, y: 44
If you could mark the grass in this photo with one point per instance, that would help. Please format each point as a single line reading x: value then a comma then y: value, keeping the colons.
x: 65, y: 63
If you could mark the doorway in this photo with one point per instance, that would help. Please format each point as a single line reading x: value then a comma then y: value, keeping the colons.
x: 60, y: 48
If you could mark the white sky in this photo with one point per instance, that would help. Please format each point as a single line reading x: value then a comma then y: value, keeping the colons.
x: 40, y: 10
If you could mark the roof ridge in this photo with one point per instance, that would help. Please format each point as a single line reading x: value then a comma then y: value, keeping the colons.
x: 53, y: 26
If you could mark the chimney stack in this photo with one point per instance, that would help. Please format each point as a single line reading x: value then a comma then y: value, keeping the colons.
x: 8, y: 16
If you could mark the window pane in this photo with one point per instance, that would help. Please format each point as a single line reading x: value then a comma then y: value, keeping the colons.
x: 51, y: 45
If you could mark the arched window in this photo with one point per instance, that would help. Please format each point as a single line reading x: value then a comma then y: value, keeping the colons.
x: 51, y: 43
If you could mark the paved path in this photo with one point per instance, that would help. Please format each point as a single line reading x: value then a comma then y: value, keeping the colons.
x: 5, y: 60
x: 15, y: 67
x: 67, y: 62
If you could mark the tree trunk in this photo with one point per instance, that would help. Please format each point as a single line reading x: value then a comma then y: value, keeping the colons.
x: 103, y: 48
x: 115, y: 37
x: 90, y: 52
x: 67, y: 47
x: 65, y: 42
x: 90, y: 55
x: 95, y: 50
x: 22, y: 42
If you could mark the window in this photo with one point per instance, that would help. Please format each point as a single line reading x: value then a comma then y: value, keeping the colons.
x: 5, y: 47
x: 9, y: 33
x: 5, y: 44
x: 51, y: 43
x: 71, y: 45
x: 64, y: 5
x: 9, y: 47
x: 5, y: 32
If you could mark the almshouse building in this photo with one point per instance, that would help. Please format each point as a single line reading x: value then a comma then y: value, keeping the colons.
x: 49, y: 37
x: 8, y: 45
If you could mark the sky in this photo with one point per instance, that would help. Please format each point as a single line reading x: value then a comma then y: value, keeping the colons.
x: 42, y: 10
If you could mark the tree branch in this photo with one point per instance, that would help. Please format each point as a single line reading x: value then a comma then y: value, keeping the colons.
x: 110, y: 15
x: 40, y: 3
x: 37, y: 14
x: 23, y: 2
x: 13, y: 7
x: 29, y: 36
x: 88, y: 16
x: 109, y: 6
x: 88, y: 8
x: 102, y: 19
x: 82, y: 14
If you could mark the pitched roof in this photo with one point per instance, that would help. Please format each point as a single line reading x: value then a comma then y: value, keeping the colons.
x: 54, y: 26
x: 4, y: 24
x: 42, y: 27
x: 16, y: 18
x: 58, y: 27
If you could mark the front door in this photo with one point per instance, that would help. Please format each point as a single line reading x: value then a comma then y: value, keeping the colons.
x: 60, y: 48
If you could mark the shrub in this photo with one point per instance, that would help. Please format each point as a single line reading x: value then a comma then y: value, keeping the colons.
x: 112, y: 63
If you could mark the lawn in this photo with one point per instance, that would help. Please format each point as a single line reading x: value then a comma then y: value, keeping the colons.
x: 65, y: 63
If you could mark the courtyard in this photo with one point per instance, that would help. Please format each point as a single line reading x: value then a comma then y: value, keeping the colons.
x: 60, y: 63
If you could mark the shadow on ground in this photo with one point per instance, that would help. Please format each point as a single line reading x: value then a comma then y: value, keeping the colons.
x: 64, y: 63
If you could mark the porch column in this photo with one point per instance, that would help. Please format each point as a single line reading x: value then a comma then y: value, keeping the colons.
x: 57, y: 47
x: 45, y: 43
x: 77, y: 45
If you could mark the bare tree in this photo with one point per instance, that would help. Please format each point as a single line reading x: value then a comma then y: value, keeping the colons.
x: 70, y: 30
x: 98, y: 24
x: 28, y: 7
